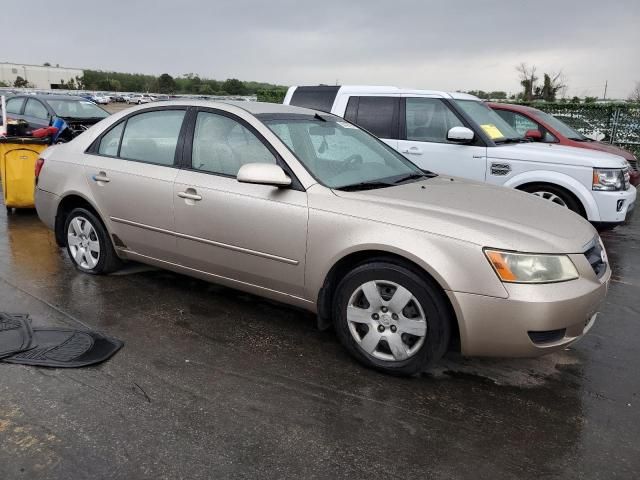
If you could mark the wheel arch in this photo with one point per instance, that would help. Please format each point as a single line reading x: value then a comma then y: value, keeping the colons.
x: 65, y: 206
x: 352, y: 259
x: 565, y: 182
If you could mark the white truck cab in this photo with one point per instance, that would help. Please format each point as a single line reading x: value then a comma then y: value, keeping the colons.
x: 457, y: 134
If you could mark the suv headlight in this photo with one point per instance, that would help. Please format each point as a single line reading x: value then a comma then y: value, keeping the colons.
x: 610, y: 179
x: 514, y: 267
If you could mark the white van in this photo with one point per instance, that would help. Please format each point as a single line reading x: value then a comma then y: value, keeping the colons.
x: 457, y: 134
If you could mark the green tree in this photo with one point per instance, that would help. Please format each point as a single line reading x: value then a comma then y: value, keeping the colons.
x: 575, y: 100
x: 166, y: 84
x: 233, y: 86
x: 590, y: 99
x: 3, y: 84
x: 46, y: 64
x: 20, y: 82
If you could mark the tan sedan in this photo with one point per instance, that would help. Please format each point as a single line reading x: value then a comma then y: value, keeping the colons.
x: 305, y: 208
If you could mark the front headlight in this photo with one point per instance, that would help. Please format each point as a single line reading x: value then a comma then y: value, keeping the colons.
x: 610, y: 179
x: 531, y: 268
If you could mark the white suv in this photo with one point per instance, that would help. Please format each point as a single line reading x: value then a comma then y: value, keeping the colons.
x: 456, y: 134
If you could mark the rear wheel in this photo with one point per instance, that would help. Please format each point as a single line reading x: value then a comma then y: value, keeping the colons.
x: 556, y: 195
x: 88, y: 243
x: 391, y: 319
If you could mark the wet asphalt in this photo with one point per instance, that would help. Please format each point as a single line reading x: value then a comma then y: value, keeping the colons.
x: 214, y: 383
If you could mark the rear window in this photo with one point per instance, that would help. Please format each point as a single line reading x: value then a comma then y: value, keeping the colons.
x: 317, y: 98
x: 379, y: 115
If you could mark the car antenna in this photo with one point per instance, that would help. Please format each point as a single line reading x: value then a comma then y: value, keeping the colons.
x: 318, y: 117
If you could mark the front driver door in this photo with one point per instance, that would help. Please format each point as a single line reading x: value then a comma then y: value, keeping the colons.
x: 131, y: 172
x: 424, y: 140
x: 254, y: 234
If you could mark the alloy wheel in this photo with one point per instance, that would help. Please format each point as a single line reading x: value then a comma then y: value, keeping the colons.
x: 552, y: 197
x: 386, y: 320
x: 83, y: 243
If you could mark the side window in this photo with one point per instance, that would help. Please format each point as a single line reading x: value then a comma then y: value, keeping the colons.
x: 110, y: 142
x: 522, y: 124
x: 379, y: 115
x: 317, y: 98
x: 14, y: 105
x: 222, y: 145
x: 36, y: 109
x: 152, y: 137
x: 429, y: 120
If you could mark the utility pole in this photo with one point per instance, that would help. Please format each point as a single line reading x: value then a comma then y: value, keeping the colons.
x: 604, y: 96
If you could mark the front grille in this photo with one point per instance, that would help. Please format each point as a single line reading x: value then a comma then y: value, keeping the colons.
x: 547, y: 336
x: 633, y: 164
x: 596, y: 258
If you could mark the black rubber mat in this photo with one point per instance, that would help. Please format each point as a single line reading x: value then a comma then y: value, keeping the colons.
x: 15, y: 334
x: 59, y: 347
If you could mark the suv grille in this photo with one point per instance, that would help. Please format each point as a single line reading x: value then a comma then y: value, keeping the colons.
x: 595, y: 258
x: 633, y: 164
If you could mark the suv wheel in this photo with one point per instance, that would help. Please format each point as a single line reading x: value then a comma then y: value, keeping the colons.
x: 391, y: 319
x: 88, y: 243
x: 557, y: 195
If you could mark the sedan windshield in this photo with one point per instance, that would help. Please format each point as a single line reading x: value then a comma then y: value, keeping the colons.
x: 342, y: 156
x: 77, y: 109
x: 493, y: 125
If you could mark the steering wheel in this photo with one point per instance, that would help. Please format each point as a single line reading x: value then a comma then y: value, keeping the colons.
x: 351, y: 161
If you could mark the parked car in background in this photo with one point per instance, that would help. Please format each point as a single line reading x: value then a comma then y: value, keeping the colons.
x: 139, y: 99
x: 100, y: 98
x: 403, y: 263
x: 543, y: 127
x: 457, y: 134
x: 117, y: 97
x: 40, y: 110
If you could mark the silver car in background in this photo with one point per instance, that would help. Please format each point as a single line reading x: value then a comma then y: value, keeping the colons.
x: 303, y: 207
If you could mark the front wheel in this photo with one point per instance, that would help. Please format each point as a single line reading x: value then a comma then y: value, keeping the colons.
x: 88, y: 243
x: 556, y: 195
x: 392, y: 319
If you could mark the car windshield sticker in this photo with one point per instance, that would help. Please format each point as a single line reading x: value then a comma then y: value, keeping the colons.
x: 491, y: 130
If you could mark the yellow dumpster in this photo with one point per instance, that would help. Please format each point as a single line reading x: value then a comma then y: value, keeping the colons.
x: 18, y: 158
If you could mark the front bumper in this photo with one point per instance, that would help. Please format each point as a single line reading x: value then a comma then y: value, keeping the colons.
x: 615, y: 206
x: 500, y: 327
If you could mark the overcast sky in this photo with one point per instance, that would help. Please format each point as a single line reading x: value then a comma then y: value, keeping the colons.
x: 446, y: 45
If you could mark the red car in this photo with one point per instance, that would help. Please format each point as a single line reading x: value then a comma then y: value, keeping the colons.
x: 540, y: 126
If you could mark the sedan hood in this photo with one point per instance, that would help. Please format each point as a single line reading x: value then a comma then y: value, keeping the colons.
x: 608, y: 148
x: 474, y: 212
x: 559, y: 154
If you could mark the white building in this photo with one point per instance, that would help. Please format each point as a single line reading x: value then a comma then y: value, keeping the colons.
x: 38, y: 76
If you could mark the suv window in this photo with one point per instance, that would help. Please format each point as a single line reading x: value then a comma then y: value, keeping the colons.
x: 152, y: 136
x: 36, y: 109
x: 429, y: 120
x: 379, y: 115
x: 318, y: 98
x: 14, y: 105
x: 222, y: 145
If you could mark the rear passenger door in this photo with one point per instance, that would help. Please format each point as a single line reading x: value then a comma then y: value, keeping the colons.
x: 425, y: 124
x: 130, y: 170
x: 378, y: 115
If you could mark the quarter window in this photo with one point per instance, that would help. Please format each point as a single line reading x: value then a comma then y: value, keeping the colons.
x: 429, y: 120
x: 36, y: 109
x: 110, y: 142
x: 222, y: 145
x: 14, y: 105
x: 379, y: 115
x: 151, y: 137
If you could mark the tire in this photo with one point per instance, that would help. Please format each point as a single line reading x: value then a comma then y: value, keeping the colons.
x: 557, y: 195
x: 357, y: 315
x: 88, y: 244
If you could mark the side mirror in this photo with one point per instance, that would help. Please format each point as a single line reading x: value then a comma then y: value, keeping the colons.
x: 263, y: 174
x: 533, y: 134
x: 460, y: 135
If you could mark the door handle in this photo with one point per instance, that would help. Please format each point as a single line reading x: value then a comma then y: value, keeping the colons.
x: 190, y: 196
x: 412, y: 151
x: 101, y: 177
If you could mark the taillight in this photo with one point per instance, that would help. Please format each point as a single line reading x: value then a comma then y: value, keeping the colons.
x: 39, y: 165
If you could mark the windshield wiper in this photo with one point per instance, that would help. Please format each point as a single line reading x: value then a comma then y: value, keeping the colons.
x: 415, y: 176
x: 365, y: 186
